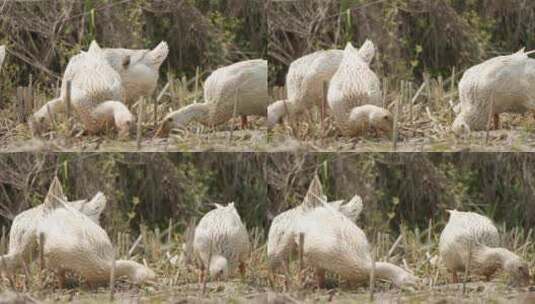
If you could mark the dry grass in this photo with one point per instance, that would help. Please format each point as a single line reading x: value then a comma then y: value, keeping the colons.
x: 178, y: 282
x: 176, y: 93
x: 425, y: 117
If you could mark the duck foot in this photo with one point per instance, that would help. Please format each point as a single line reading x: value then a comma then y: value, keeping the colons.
x: 454, y: 277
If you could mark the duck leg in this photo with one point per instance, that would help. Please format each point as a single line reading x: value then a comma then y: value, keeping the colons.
x: 61, y: 279
x: 244, y: 121
x: 320, y: 277
x: 242, y: 270
x: 496, y: 121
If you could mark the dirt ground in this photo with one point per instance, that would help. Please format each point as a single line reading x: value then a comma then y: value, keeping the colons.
x: 498, y: 141
x: 222, y: 139
x: 236, y: 291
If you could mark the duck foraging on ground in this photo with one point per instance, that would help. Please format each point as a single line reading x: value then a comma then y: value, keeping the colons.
x: 73, y: 242
x: 96, y: 96
x: 239, y: 89
x: 283, y: 230
x: 221, y: 243
x: 334, y: 243
x: 471, y: 238
x: 304, y: 82
x: 500, y: 84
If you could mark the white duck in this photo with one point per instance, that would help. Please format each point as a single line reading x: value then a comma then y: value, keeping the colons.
x: 283, y: 229
x: 139, y: 69
x: 96, y: 95
x: 354, y: 96
x: 334, y: 243
x: 304, y: 81
x: 221, y: 242
x: 73, y: 242
x: 240, y: 87
x: 22, y: 236
x: 471, y: 235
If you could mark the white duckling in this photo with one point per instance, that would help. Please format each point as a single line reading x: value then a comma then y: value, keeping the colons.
x: 469, y: 235
x: 96, y: 95
x: 304, y: 82
x: 238, y: 89
x: 221, y: 242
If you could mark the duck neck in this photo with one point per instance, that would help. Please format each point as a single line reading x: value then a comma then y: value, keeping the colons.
x: 494, y: 257
x: 388, y: 272
x: 193, y: 112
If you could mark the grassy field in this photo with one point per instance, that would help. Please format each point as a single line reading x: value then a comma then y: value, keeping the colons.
x: 178, y: 282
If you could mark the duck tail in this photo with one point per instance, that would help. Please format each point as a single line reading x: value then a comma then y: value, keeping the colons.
x: 451, y: 211
x: 354, y: 206
x: 159, y: 53
x: 98, y: 202
x: 55, y: 197
x: 314, y: 197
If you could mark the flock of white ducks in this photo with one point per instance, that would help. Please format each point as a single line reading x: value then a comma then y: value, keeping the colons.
x: 103, y: 82
x: 106, y: 82
x: 498, y: 85
x: 72, y: 240
x: 283, y: 232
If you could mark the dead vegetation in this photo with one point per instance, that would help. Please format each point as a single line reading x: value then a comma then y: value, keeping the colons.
x: 162, y: 250
x: 405, y: 196
x: 423, y: 114
x: 423, y: 49
x: 67, y: 135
